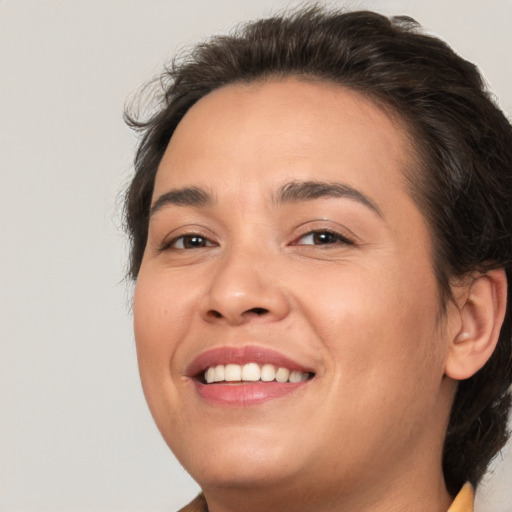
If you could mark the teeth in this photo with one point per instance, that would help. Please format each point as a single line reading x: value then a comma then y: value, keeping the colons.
x: 219, y: 373
x: 209, y: 375
x: 232, y: 373
x: 252, y: 372
x: 295, y: 376
x: 268, y: 372
x: 282, y: 375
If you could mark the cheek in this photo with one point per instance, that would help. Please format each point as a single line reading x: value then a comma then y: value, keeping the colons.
x: 161, y: 311
x: 161, y: 307
x: 384, y: 349
x: 374, y: 321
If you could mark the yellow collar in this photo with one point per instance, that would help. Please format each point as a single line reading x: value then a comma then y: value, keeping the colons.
x: 464, y: 500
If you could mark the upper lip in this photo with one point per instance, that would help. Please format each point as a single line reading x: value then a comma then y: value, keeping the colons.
x: 242, y: 355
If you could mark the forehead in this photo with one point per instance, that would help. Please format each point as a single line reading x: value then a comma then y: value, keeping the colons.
x: 270, y: 132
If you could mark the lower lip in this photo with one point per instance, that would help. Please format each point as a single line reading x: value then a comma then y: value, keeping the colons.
x: 247, y: 393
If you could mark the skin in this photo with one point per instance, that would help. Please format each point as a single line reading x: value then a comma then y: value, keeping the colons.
x: 366, y: 433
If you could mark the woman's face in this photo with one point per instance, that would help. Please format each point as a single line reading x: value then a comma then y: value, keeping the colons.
x: 283, y: 236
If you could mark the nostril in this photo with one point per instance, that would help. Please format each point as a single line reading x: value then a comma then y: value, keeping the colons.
x: 214, y: 314
x: 257, y: 311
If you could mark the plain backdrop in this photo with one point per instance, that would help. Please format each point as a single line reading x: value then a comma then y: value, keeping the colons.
x: 75, y: 433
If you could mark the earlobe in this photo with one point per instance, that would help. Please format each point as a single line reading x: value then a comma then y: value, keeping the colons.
x: 482, y: 310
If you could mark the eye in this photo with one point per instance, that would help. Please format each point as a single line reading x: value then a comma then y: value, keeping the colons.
x: 190, y: 241
x: 323, y: 237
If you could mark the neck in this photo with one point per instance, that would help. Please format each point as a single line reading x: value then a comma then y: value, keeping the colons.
x: 427, y: 495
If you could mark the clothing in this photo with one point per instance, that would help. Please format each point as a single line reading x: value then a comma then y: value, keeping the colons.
x: 463, y: 502
x: 197, y: 505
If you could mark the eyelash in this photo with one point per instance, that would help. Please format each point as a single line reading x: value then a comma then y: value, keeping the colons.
x: 338, y: 239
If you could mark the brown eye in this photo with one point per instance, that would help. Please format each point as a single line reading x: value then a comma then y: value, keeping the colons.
x: 323, y: 238
x: 190, y: 242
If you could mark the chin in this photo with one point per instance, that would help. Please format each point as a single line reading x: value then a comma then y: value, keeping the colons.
x: 239, y: 457
x: 240, y: 476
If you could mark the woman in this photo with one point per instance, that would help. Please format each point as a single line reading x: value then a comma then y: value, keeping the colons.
x: 321, y: 240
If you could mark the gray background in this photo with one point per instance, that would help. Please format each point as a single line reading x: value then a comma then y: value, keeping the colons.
x: 75, y: 434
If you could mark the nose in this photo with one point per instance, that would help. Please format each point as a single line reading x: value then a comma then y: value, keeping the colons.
x: 242, y: 291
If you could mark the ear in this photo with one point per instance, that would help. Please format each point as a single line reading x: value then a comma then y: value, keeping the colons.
x: 482, y: 309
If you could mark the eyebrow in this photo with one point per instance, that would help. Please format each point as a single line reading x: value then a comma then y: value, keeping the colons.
x: 299, y: 191
x: 188, y: 196
x: 292, y: 192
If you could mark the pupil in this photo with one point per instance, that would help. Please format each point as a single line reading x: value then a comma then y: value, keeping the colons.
x: 194, y: 241
x: 325, y: 238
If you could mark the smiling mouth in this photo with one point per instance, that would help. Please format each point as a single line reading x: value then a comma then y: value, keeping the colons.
x: 247, y: 376
x: 252, y: 372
